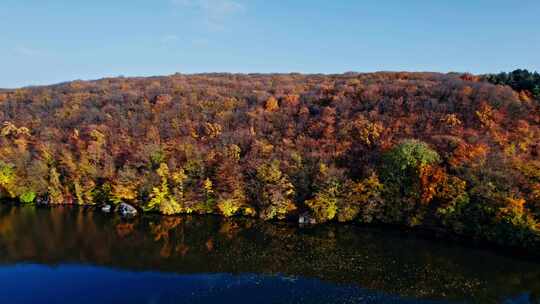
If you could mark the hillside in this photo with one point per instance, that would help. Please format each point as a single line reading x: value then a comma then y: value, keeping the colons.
x: 444, y: 151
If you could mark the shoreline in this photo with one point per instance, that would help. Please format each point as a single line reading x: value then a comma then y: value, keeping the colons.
x: 431, y: 234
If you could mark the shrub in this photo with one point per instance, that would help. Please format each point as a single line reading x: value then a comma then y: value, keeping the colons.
x: 27, y: 197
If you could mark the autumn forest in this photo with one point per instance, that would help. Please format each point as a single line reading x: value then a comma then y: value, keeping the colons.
x: 457, y: 153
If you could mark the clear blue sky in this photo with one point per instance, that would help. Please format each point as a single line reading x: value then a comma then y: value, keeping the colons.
x: 49, y: 41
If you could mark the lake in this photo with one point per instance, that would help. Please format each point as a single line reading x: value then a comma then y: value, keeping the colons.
x: 78, y: 255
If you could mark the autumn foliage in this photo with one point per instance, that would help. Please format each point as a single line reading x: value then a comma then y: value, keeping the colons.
x: 419, y: 149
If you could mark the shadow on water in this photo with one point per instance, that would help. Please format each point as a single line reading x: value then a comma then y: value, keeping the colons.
x: 204, y: 259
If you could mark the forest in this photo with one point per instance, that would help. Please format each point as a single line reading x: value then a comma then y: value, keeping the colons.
x: 519, y: 80
x: 452, y: 152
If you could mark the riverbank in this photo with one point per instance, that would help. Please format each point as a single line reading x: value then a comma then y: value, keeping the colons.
x: 436, y: 234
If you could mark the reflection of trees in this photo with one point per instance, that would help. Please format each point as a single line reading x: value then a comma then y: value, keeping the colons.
x: 377, y: 260
x: 229, y: 229
x: 124, y: 229
x: 164, y: 232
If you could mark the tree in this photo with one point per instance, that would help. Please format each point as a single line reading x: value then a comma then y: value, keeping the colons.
x: 271, y: 104
x: 55, y: 189
x: 402, y: 172
x: 274, y: 192
x: 402, y: 164
x: 362, y: 199
x: 7, y: 177
x: 328, y: 187
x: 230, y: 184
x: 536, y: 92
x: 161, y: 197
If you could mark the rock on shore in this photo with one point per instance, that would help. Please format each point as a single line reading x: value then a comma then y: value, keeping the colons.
x: 126, y: 210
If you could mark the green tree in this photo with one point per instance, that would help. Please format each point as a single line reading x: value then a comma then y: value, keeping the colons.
x: 536, y: 92
x: 401, y: 164
x: 400, y: 172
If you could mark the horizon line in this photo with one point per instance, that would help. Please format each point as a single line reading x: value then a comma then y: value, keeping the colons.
x: 241, y: 73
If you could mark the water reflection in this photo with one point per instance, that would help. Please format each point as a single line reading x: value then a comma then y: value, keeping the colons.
x: 338, y: 256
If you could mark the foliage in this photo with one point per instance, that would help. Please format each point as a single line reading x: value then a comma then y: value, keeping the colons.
x: 519, y: 80
x: 406, y: 172
x: 333, y: 196
x: 452, y: 203
x: 6, y: 175
x: 366, y: 198
x: 447, y: 151
x: 56, y: 195
x: 325, y: 203
x: 161, y: 197
x: 27, y: 197
x: 229, y: 207
x: 274, y: 192
x: 406, y: 159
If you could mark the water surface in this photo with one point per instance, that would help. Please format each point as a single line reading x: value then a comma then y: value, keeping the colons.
x: 76, y: 255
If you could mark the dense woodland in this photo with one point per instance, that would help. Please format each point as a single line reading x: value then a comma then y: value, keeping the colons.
x: 452, y: 152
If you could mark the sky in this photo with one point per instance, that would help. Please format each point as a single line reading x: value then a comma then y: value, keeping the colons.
x: 51, y: 41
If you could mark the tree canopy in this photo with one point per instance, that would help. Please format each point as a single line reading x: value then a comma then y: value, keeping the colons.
x: 450, y: 151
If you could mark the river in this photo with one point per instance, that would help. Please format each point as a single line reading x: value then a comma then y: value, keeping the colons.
x: 78, y: 255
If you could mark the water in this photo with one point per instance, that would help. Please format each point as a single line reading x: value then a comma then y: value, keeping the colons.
x: 76, y: 255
